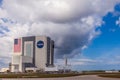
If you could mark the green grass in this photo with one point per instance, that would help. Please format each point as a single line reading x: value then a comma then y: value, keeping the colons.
x: 43, y: 75
x: 103, y: 74
x: 110, y: 75
x: 36, y: 75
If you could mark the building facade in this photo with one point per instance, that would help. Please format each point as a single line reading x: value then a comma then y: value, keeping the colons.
x: 32, y: 52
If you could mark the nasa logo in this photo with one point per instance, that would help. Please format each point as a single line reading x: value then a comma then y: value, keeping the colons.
x: 40, y: 44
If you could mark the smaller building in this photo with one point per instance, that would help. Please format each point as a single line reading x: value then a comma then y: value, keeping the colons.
x: 4, y: 70
x: 51, y: 69
x: 110, y: 71
x: 31, y: 69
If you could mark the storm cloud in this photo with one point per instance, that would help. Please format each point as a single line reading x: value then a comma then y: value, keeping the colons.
x: 71, y: 24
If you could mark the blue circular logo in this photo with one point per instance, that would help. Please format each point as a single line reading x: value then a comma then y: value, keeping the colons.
x: 40, y: 44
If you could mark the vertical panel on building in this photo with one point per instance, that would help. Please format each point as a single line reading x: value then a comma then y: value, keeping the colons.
x: 48, y: 52
x: 28, y: 48
x: 52, y: 53
x: 17, y: 51
x: 31, y: 42
x: 41, y: 52
x: 16, y: 62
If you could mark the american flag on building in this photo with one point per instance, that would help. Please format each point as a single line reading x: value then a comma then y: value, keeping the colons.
x: 17, y: 45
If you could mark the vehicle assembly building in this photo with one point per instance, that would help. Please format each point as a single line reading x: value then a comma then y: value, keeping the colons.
x: 35, y: 52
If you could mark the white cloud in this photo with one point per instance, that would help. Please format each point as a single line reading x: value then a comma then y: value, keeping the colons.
x: 103, y: 62
x: 118, y: 22
x: 112, y: 30
x: 76, y: 62
x: 71, y: 23
x: 3, y: 13
x: 111, y: 57
x: 56, y: 10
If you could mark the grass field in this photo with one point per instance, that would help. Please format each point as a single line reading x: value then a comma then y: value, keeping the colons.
x: 43, y: 75
x: 103, y: 74
x: 36, y: 75
x: 110, y: 75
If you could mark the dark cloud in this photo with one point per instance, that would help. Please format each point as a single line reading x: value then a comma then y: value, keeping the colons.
x: 71, y: 24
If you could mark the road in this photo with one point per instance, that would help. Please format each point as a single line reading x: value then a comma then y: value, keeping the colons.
x: 86, y: 77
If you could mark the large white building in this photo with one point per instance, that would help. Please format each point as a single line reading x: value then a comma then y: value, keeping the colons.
x: 32, y: 52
